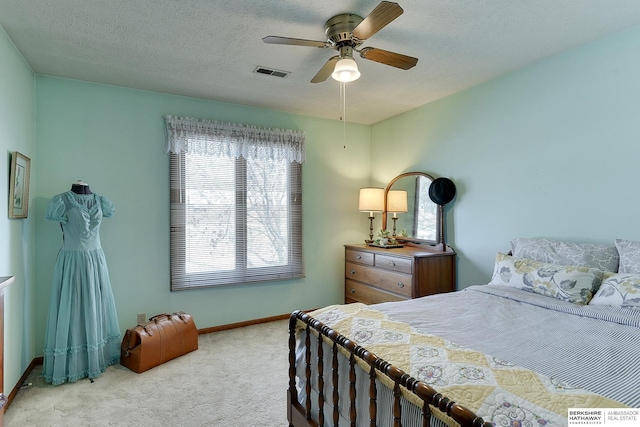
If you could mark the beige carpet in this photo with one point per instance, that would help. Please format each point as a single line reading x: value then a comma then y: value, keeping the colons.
x: 237, y: 378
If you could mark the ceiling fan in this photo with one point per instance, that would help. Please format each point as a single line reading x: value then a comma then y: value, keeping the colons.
x: 345, y: 33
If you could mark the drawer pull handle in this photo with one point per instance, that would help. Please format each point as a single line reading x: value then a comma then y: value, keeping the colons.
x: 359, y: 257
x: 392, y: 264
x: 400, y: 284
x: 353, y: 272
x: 353, y: 291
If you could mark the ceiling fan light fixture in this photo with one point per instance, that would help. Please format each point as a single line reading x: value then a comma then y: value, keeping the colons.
x: 346, y: 70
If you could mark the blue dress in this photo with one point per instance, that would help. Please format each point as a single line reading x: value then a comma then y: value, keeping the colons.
x: 83, y: 336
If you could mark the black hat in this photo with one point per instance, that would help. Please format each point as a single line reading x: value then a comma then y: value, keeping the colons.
x: 442, y: 191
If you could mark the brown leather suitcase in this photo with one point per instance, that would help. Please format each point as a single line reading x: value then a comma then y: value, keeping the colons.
x: 163, y: 338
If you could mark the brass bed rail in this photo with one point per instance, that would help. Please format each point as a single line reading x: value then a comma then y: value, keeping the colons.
x: 300, y: 416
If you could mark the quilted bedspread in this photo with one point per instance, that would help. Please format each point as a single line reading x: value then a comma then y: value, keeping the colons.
x: 496, y: 390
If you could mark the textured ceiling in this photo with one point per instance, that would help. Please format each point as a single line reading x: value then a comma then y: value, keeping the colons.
x: 210, y: 48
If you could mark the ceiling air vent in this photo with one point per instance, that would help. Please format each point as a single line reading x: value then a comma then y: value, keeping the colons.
x: 271, y: 72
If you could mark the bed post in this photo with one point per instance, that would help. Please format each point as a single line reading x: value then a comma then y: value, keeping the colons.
x: 320, y: 380
x: 334, y: 380
x: 307, y: 370
x: 352, y: 390
x: 373, y: 398
x: 296, y: 414
x: 292, y: 398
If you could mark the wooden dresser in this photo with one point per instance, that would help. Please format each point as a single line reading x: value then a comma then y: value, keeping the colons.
x: 374, y: 275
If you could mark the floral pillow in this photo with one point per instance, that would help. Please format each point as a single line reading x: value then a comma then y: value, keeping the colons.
x: 602, y: 257
x: 629, y: 252
x: 619, y: 290
x: 566, y: 283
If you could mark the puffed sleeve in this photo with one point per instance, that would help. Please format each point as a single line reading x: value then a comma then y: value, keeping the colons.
x: 56, y: 210
x: 107, y: 207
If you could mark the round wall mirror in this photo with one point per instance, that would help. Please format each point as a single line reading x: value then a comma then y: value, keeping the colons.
x: 421, y: 221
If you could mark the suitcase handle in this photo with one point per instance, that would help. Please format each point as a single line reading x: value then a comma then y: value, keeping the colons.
x: 181, y: 315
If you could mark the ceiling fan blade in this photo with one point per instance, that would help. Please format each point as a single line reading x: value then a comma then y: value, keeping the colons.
x: 294, y: 42
x: 379, y: 17
x: 326, y: 70
x: 389, y: 58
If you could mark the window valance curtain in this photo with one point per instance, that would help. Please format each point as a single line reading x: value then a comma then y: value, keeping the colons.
x: 189, y: 135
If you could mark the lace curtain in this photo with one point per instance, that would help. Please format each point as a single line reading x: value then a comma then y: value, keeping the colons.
x: 189, y: 135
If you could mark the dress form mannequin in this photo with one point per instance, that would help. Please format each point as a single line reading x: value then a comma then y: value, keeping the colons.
x: 80, y: 187
x: 82, y: 336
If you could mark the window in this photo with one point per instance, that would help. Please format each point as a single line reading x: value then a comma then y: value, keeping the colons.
x: 236, y: 204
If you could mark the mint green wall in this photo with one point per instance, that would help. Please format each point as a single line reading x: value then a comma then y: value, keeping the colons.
x: 547, y: 151
x: 113, y: 139
x: 16, y: 235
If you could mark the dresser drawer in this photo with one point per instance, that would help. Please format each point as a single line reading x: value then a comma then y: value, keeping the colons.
x: 388, y: 280
x: 355, y: 291
x: 358, y: 256
x: 403, y: 265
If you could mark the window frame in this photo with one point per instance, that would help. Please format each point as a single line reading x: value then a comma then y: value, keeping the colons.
x: 181, y: 280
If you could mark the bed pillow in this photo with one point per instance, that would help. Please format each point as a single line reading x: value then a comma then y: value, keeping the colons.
x: 566, y: 283
x: 629, y: 252
x: 619, y: 290
x: 602, y: 257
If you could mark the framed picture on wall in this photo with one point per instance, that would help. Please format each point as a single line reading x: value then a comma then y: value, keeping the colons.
x: 19, y: 186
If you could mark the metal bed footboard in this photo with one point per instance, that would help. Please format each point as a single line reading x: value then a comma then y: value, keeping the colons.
x: 312, y: 413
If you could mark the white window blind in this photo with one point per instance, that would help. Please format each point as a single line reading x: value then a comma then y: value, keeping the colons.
x: 236, y: 203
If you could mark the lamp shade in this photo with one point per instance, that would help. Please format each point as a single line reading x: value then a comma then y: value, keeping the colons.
x: 346, y: 70
x: 371, y: 199
x: 397, y: 201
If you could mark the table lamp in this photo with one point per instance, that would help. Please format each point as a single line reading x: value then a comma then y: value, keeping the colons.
x: 396, y: 202
x: 371, y: 200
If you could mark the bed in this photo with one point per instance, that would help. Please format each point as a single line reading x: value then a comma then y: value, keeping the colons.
x: 557, y: 327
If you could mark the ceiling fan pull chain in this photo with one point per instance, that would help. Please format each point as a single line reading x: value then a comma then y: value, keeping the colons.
x: 343, y: 97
